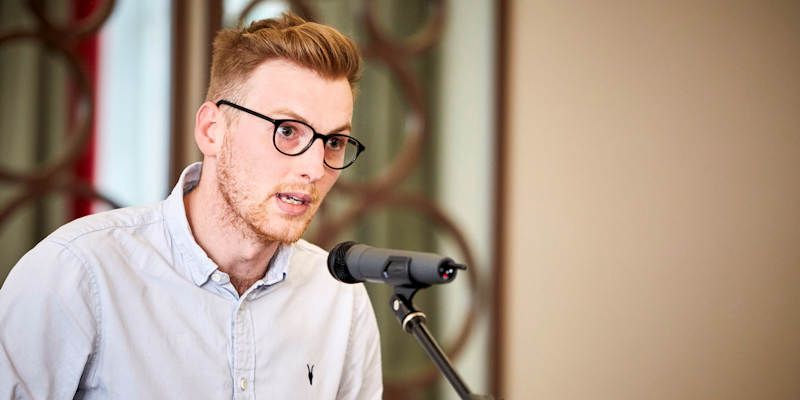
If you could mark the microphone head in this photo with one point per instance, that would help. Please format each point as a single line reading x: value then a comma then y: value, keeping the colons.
x: 337, y: 263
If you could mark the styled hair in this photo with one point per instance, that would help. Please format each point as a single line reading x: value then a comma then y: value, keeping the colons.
x: 239, y: 51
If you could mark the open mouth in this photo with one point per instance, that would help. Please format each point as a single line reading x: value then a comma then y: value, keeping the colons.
x: 294, y: 198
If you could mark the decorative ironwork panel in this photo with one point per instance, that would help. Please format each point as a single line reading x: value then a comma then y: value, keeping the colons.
x: 29, y: 185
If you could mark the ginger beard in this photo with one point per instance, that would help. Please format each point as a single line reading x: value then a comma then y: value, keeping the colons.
x: 254, y: 216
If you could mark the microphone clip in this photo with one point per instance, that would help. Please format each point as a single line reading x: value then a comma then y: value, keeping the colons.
x: 397, y: 272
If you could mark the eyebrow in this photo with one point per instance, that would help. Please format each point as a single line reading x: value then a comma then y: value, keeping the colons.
x: 292, y: 115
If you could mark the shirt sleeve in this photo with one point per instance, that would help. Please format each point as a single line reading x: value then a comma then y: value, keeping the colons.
x: 48, y: 324
x: 363, y: 378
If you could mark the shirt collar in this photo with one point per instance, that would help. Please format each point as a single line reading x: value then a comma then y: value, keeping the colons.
x: 279, y: 265
x: 198, y: 265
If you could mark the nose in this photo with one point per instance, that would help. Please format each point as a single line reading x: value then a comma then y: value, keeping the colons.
x: 311, y: 162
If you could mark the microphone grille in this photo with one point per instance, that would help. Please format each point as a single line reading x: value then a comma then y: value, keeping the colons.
x: 337, y: 262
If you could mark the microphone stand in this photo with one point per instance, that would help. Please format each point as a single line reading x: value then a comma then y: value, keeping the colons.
x: 413, y: 322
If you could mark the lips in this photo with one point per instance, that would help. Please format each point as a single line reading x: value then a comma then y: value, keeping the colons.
x: 294, y: 198
x: 294, y: 204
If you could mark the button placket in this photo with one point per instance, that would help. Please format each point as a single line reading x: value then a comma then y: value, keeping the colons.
x: 244, y: 363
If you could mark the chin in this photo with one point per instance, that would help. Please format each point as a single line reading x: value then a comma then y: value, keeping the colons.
x: 286, y: 232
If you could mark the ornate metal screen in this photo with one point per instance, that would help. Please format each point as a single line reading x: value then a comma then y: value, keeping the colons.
x: 53, y: 43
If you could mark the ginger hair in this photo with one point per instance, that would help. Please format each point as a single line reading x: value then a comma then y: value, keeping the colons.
x: 239, y: 51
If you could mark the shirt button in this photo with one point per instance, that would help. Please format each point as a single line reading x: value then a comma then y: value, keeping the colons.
x: 243, y: 383
x: 216, y: 277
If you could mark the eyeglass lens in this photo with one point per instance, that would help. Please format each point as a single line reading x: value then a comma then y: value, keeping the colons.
x: 293, y: 138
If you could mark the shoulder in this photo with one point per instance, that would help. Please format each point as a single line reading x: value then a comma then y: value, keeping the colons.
x: 50, y: 283
x: 308, y: 264
x: 308, y: 261
x: 129, y: 218
x: 63, y: 250
x: 74, y: 248
x: 308, y: 252
x: 309, y: 268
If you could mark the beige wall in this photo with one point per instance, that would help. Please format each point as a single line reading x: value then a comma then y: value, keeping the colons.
x: 653, y: 217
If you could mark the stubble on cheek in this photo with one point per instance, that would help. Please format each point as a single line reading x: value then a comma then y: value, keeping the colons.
x: 234, y: 209
x: 252, y: 212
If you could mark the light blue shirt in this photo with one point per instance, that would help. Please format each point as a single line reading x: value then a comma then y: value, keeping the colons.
x: 126, y: 305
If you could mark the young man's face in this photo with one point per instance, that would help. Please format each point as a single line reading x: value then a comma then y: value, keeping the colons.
x: 274, y: 194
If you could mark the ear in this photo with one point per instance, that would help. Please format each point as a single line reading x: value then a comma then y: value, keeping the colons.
x: 209, y: 129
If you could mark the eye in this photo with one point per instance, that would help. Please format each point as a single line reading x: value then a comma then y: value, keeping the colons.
x: 286, y: 131
x: 336, y: 143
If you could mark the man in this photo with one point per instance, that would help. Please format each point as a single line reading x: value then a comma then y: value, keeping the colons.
x: 211, y: 293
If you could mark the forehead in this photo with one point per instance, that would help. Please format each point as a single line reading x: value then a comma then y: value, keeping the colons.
x: 278, y: 85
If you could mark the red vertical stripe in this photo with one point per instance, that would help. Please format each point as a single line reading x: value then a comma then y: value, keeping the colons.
x: 87, y: 50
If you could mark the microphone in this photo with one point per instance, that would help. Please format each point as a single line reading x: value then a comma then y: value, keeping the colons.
x: 352, y: 262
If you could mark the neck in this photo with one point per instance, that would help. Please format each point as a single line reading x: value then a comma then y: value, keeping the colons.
x: 226, y: 239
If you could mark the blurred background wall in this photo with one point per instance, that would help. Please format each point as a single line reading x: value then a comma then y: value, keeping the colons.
x: 653, y: 200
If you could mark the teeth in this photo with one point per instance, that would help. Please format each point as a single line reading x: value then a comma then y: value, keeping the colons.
x: 291, y: 199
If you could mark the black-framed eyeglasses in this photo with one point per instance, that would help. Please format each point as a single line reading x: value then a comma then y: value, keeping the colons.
x: 292, y: 138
